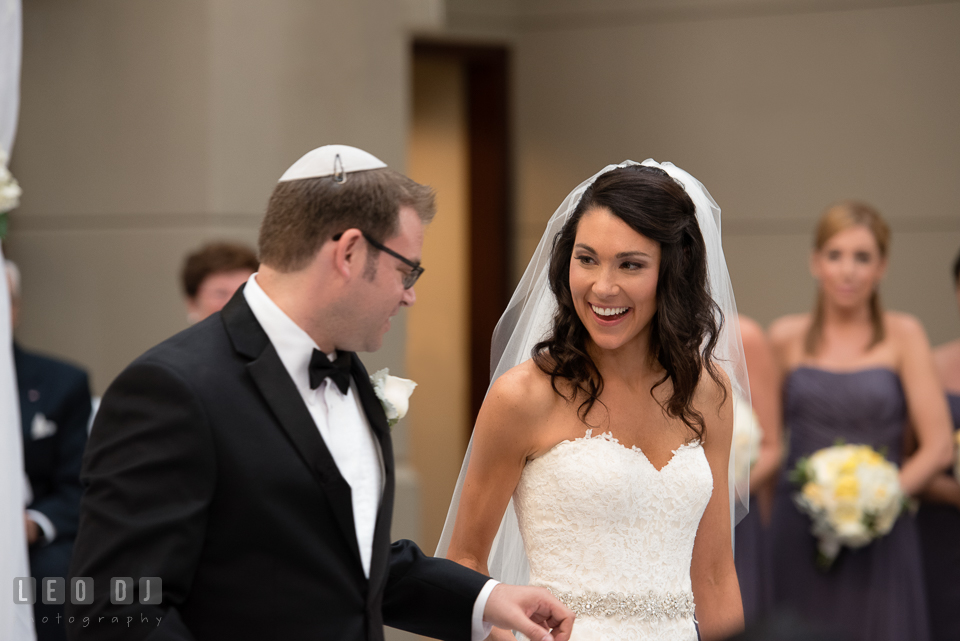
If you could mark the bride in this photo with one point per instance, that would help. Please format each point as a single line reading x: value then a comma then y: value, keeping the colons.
x: 614, y: 438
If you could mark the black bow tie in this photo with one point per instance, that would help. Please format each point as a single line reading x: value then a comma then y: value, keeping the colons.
x: 339, y: 370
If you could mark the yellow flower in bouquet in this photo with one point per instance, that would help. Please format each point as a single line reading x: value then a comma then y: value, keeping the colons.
x: 851, y: 493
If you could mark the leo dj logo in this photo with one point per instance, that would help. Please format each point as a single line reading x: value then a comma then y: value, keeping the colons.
x: 53, y: 590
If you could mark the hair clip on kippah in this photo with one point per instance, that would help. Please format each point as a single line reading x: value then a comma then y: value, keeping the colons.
x: 339, y: 175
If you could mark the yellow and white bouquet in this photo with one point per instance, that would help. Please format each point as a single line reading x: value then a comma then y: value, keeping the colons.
x: 852, y: 494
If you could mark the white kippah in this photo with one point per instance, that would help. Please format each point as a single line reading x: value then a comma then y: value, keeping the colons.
x: 332, y: 160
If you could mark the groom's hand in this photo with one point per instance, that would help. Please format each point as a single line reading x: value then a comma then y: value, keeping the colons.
x: 533, y: 611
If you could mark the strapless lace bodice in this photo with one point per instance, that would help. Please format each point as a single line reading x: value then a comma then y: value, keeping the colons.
x: 609, y: 533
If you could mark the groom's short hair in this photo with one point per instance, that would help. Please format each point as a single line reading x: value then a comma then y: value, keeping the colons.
x: 304, y: 214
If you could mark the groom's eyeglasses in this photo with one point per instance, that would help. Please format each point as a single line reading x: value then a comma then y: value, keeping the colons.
x: 410, y: 278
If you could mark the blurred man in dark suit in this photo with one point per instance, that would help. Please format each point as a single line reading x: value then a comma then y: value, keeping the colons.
x: 55, y: 412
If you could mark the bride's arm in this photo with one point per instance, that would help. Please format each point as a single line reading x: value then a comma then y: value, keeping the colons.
x: 504, y: 438
x: 716, y: 590
x: 502, y: 443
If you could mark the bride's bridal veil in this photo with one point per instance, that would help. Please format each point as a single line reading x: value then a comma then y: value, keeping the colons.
x: 527, y: 320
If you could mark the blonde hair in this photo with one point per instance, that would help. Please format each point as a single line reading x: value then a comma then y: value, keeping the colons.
x: 836, y: 218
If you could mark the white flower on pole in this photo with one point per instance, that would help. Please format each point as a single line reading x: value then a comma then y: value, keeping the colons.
x: 9, y: 187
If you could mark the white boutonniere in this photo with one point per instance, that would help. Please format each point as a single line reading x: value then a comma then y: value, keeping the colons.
x: 394, y: 394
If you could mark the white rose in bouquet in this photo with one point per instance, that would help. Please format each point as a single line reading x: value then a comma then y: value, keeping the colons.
x: 394, y: 394
x: 9, y: 187
x: 9, y: 193
x: 747, y: 433
x: 851, y: 493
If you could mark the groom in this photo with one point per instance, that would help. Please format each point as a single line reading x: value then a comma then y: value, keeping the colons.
x: 247, y: 464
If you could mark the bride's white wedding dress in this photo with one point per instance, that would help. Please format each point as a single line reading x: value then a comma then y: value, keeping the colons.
x: 612, y: 536
x: 607, y: 532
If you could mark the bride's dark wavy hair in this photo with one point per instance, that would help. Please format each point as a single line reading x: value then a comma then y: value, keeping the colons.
x: 686, y: 325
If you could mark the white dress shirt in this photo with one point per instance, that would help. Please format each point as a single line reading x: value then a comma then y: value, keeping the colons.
x: 339, y: 417
x: 343, y: 425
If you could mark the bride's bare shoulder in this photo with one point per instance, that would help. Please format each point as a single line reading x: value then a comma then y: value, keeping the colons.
x: 522, y: 412
x: 712, y: 392
x: 524, y: 388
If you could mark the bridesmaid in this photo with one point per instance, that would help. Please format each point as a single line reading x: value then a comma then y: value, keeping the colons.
x: 856, y: 373
x: 750, y: 543
x: 939, y: 515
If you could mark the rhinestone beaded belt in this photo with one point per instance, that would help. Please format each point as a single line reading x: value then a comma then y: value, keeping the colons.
x: 647, y: 607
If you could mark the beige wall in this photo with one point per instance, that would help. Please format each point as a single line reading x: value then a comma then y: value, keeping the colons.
x: 147, y: 128
x: 437, y: 331
x: 779, y: 107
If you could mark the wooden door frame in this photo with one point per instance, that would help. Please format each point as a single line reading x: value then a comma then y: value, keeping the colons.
x: 487, y: 69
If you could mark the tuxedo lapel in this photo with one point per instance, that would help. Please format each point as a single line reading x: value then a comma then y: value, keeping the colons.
x: 368, y: 399
x: 281, y: 396
x: 378, y: 422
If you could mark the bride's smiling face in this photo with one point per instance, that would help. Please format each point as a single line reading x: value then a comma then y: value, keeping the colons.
x: 613, y: 279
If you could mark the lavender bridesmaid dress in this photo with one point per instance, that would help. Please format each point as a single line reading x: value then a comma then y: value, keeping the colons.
x: 874, y: 593
x: 751, y: 555
x: 940, y: 540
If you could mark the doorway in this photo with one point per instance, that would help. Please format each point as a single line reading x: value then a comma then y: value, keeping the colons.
x: 460, y: 145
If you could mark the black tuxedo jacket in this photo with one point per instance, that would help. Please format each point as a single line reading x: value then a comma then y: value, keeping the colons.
x: 204, y: 468
x: 56, y: 396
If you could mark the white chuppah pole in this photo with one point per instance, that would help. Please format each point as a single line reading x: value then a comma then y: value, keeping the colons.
x: 11, y: 34
x: 16, y: 620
